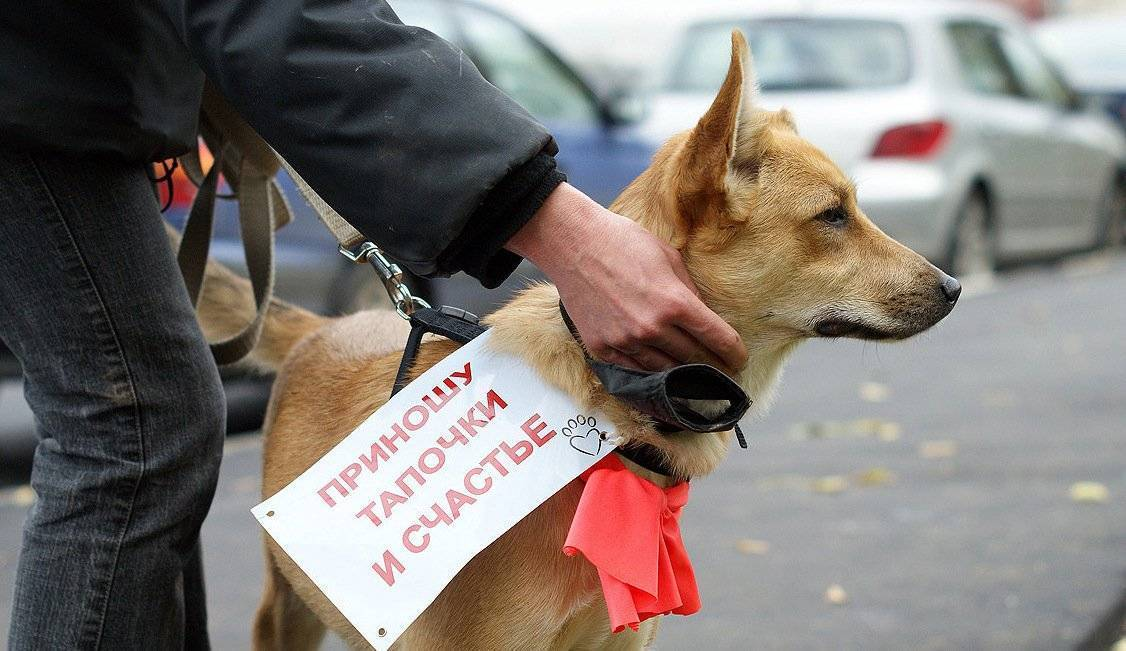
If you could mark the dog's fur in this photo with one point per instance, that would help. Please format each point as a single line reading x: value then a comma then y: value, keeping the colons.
x: 769, y: 230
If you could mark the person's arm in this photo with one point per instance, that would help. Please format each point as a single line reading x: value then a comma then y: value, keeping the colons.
x: 397, y: 130
x: 627, y: 291
x: 394, y: 127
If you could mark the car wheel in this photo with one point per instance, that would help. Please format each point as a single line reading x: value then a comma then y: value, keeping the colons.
x: 1113, y: 215
x: 247, y: 396
x: 973, y: 247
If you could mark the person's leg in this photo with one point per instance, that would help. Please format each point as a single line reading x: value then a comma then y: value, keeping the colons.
x: 128, y: 406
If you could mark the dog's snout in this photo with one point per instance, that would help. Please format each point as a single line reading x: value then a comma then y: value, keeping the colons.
x: 951, y: 288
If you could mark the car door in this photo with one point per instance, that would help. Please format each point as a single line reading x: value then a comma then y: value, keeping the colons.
x: 1023, y: 173
x: 1078, y: 170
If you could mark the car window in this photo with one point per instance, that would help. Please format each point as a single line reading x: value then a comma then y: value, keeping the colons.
x: 981, y: 60
x: 1037, y: 80
x: 520, y: 66
x: 428, y: 15
x: 797, y: 54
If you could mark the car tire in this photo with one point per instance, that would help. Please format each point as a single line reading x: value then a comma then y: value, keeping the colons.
x: 247, y: 397
x: 1112, y: 215
x: 973, y: 244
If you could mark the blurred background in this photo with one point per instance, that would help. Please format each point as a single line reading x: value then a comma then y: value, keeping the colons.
x: 963, y: 490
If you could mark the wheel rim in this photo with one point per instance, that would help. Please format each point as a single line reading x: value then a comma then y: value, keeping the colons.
x: 973, y: 247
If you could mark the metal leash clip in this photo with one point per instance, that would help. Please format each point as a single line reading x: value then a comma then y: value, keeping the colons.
x: 392, y: 276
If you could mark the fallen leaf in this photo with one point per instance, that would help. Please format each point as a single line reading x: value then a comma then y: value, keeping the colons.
x: 859, y: 428
x: 1089, y: 492
x: 836, y: 595
x: 888, y: 431
x: 751, y: 546
x: 876, y: 477
x: 829, y: 485
x: 939, y: 449
x: 874, y: 392
x: 826, y: 429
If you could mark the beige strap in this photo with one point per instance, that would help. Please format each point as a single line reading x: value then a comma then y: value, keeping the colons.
x: 255, y: 150
x: 195, y: 245
x: 345, y: 233
x: 250, y: 167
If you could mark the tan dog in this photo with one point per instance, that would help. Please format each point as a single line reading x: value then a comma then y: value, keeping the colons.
x: 771, y: 233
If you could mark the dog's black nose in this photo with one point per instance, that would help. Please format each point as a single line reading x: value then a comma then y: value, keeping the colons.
x: 951, y: 289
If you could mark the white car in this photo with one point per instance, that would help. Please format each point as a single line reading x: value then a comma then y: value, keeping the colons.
x: 963, y: 142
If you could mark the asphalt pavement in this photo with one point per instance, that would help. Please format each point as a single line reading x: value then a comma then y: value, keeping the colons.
x: 962, y: 490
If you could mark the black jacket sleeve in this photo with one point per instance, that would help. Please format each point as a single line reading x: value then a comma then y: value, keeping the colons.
x: 393, y: 126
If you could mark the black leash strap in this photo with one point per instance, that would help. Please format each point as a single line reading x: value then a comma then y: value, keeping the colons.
x: 665, y: 395
x: 166, y: 179
x: 449, y: 322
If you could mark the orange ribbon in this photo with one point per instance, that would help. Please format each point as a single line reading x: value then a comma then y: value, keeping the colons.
x: 628, y: 528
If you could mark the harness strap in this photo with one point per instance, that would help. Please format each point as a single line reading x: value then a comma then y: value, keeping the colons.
x: 449, y: 322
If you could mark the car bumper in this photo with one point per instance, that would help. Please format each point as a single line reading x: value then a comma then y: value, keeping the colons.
x: 912, y: 202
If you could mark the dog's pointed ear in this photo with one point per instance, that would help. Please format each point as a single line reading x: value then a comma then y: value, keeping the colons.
x: 710, y: 151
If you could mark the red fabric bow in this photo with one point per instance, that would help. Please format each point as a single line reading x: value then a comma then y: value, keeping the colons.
x: 628, y: 528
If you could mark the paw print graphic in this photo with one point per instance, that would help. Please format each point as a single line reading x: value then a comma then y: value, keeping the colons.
x: 583, y: 434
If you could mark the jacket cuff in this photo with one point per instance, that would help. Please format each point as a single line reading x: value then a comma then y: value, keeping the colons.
x: 479, y: 251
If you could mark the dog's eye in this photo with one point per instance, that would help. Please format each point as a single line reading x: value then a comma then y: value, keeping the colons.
x: 834, y: 216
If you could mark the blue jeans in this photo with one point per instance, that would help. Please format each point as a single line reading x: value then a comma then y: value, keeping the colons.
x: 128, y: 405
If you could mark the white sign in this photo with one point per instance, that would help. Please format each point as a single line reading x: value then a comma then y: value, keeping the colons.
x: 386, y: 519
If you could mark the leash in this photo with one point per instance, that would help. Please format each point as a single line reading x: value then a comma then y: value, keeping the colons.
x: 250, y: 166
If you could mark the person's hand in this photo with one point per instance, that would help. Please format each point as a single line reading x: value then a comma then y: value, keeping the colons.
x: 627, y: 291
